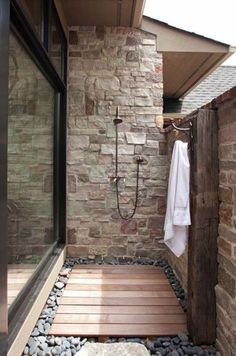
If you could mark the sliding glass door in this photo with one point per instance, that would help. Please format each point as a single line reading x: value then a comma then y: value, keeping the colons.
x: 30, y: 167
x: 32, y: 157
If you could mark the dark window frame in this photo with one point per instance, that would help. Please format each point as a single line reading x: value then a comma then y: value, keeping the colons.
x: 28, y: 37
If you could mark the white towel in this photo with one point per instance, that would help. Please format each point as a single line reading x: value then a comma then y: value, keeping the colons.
x: 178, y: 212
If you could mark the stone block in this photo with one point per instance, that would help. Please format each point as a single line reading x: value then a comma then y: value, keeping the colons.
x: 226, y: 213
x: 227, y: 282
x: 73, y: 38
x: 140, y: 101
x: 77, y: 251
x: 78, y: 142
x: 155, y: 222
x: 226, y: 194
x: 107, y: 83
x: 114, y: 349
x: 129, y: 227
x: 117, y: 251
x: 94, y: 230
x: 135, y: 138
x: 71, y: 184
x: 111, y: 228
x: 89, y: 106
x: 225, y: 246
x: 132, y: 56
x: 97, y: 195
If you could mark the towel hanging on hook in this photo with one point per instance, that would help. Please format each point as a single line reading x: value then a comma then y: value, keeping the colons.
x: 188, y: 131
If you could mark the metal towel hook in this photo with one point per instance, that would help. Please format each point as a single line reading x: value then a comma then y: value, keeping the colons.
x: 188, y: 131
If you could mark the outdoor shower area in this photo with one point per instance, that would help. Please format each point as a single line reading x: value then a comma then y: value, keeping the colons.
x: 85, y: 157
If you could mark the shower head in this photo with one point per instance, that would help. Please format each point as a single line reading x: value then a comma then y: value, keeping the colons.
x: 117, y: 121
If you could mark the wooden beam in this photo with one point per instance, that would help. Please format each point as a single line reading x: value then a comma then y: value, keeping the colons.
x: 202, y: 251
x: 137, y: 13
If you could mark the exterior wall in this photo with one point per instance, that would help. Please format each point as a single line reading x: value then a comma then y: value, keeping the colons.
x: 110, y: 67
x: 226, y: 288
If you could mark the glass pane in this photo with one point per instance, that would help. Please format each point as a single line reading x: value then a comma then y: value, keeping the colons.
x: 30, y: 167
x: 34, y: 11
x: 56, y: 46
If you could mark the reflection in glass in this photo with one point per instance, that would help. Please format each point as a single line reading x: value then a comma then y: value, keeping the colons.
x: 56, y: 45
x: 30, y: 167
x: 34, y: 11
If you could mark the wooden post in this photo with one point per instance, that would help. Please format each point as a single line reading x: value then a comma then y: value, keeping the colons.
x: 202, y: 251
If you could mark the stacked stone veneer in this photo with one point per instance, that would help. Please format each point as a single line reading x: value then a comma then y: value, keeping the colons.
x: 226, y: 288
x: 110, y: 67
x: 30, y: 158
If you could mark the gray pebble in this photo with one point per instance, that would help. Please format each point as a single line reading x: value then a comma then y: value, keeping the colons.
x: 35, y: 332
x: 56, y: 350
x: 58, y: 341
x: 26, y: 350
x: 183, y: 337
x: 51, y: 342
x: 166, y: 344
x: 82, y: 342
x: 174, y: 353
x: 41, y: 338
x: 76, y: 341
x: 59, y: 285
x: 43, y: 346
x: 47, y: 328
x: 66, y: 344
x: 31, y: 341
x: 40, y: 353
x: 41, y: 329
x: 33, y: 347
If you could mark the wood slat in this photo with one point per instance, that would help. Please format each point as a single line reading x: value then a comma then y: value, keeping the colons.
x: 117, y: 329
x: 119, y: 287
x: 116, y: 271
x: 124, y: 268
x: 119, y: 294
x: 21, y: 266
x: 94, y: 309
x: 118, y: 301
x: 119, y: 319
x: 115, y: 281
x: 102, y: 276
x: 15, y: 286
x: 18, y: 276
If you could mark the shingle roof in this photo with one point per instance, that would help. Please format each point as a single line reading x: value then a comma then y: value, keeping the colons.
x: 219, y: 81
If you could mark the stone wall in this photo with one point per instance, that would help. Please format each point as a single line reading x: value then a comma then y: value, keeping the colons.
x: 30, y: 158
x: 226, y: 288
x: 110, y: 67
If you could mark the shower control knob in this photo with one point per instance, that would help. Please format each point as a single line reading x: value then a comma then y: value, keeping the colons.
x: 140, y: 159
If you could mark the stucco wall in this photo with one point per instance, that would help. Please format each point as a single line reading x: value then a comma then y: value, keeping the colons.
x: 110, y: 67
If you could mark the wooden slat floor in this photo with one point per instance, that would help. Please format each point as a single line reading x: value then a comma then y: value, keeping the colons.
x: 118, y: 301
x: 17, y: 276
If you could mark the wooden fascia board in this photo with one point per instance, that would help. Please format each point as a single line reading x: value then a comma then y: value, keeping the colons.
x: 171, y: 39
